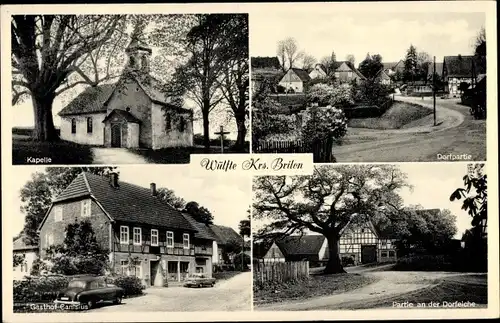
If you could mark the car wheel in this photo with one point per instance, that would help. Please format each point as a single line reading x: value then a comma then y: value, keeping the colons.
x: 90, y: 304
x: 213, y: 284
x: 118, y: 300
x: 200, y: 285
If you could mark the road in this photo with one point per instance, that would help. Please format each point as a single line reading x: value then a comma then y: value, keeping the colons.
x: 457, y: 133
x: 111, y: 156
x: 233, y: 294
x: 389, y: 284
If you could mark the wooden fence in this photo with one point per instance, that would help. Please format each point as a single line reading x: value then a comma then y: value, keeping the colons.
x: 280, y: 146
x: 280, y: 271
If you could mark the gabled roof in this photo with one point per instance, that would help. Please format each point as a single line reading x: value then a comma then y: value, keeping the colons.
x: 94, y: 99
x: 392, y: 65
x: 225, y: 235
x: 91, y: 100
x: 462, y: 66
x: 125, y: 203
x: 351, y: 66
x: 204, y: 231
x: 265, y: 62
x: 123, y: 114
x: 306, y: 245
x: 19, y: 244
x: 302, y: 74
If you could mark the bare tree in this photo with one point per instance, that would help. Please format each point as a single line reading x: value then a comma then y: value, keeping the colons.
x: 288, y: 52
x: 308, y: 62
x: 55, y: 53
x: 350, y: 58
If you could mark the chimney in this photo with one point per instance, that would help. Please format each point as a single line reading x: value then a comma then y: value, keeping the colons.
x: 113, y: 179
x: 153, y: 189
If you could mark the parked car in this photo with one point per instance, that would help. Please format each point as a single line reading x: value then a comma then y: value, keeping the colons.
x: 199, y: 280
x: 89, y: 291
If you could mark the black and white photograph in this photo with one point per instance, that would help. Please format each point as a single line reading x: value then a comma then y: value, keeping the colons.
x: 378, y: 236
x: 129, y: 239
x: 128, y: 89
x: 369, y: 86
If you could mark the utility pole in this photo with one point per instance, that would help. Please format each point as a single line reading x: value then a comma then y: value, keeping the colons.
x: 434, y: 90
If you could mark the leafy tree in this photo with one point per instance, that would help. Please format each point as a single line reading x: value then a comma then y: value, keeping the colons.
x: 266, y: 116
x: 288, y: 53
x: 424, y: 62
x: 80, y: 253
x: 54, y: 53
x: 321, y: 125
x: 475, y: 196
x: 199, y: 213
x: 234, y: 80
x: 326, y: 201
x: 416, y: 226
x: 169, y: 196
x: 371, y: 92
x: 480, y: 43
x: 37, y: 194
x: 319, y: 93
x: 245, y: 226
x: 411, y: 64
x: 211, y: 44
x: 371, y: 65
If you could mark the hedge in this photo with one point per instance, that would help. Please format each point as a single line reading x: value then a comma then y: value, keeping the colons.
x: 39, y: 289
x: 130, y: 284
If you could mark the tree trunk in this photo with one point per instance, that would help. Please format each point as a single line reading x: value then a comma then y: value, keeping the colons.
x: 333, y: 266
x: 323, y: 151
x: 242, y: 132
x: 44, y: 122
x: 206, y: 129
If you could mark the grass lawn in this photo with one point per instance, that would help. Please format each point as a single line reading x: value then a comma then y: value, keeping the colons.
x: 61, y: 152
x: 312, y: 287
x: 397, y: 116
x: 450, y: 290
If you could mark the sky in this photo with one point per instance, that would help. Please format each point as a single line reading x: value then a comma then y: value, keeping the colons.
x: 432, y: 184
x: 227, y: 197
x: 318, y: 31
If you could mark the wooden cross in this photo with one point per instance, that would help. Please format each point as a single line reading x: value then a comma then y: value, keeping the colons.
x: 221, y: 133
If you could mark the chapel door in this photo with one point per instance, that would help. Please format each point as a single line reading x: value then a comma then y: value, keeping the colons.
x: 116, y: 135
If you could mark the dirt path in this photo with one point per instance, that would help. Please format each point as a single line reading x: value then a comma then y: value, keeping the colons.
x: 457, y: 133
x: 389, y: 284
x: 233, y: 294
x: 111, y: 156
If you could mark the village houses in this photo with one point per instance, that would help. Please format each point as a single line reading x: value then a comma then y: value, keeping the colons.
x: 461, y: 69
x: 145, y: 236
x: 133, y: 112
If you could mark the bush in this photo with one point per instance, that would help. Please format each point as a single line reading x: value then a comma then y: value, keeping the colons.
x: 425, y: 263
x: 130, y: 284
x: 39, y: 289
x: 241, y: 262
x: 371, y: 93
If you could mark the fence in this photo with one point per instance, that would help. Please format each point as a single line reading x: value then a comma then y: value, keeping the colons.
x: 322, y: 150
x: 280, y: 146
x: 280, y: 271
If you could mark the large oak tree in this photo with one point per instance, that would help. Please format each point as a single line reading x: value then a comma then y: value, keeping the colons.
x: 326, y: 201
x: 54, y: 53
